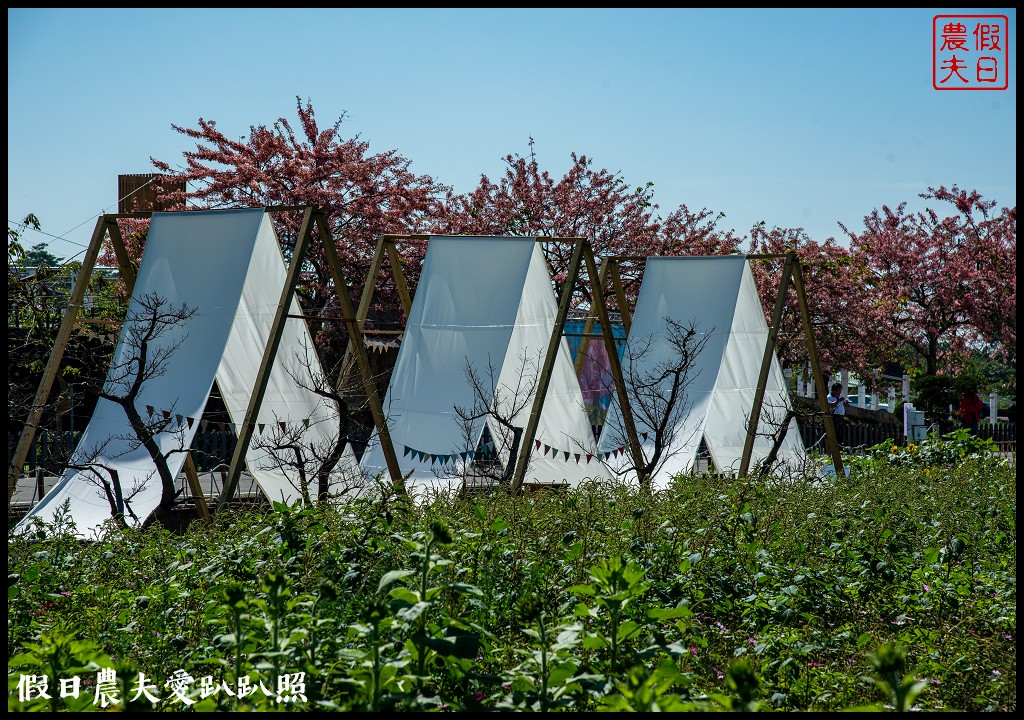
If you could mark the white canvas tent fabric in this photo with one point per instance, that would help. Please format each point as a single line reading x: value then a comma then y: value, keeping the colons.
x: 227, y: 266
x: 719, y: 294
x: 481, y: 302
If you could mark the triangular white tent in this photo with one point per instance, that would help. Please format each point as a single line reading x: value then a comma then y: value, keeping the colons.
x: 227, y: 265
x: 719, y: 294
x: 482, y: 302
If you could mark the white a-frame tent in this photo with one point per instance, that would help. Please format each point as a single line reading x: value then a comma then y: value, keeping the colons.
x: 228, y: 267
x: 485, y: 303
x: 718, y: 295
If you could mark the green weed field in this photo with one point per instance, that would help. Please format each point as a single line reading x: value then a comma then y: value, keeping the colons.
x: 892, y: 589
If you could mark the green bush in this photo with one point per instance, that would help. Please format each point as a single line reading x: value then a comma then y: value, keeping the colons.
x: 894, y: 587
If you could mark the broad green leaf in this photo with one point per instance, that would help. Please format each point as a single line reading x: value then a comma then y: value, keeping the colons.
x: 392, y: 576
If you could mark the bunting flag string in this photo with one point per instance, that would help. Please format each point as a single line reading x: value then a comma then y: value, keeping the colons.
x: 182, y: 421
x: 379, y: 346
x: 546, y: 450
x: 102, y: 337
x: 444, y: 458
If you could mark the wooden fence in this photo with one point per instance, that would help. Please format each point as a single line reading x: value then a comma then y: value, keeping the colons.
x: 855, y: 436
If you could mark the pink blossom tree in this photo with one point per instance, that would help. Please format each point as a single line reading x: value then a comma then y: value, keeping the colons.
x: 946, y: 284
x: 365, y: 195
x: 590, y: 202
x: 847, y: 320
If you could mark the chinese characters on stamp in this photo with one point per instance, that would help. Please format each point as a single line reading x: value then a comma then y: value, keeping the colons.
x: 970, y: 52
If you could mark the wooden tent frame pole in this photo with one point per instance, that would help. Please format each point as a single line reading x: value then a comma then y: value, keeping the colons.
x: 104, y: 224
x: 609, y: 270
x: 355, y: 341
x: 588, y: 326
x: 792, y: 270
x: 314, y: 221
x: 246, y: 427
x: 582, y: 253
x: 819, y: 380
x: 625, y: 407
x: 356, y: 350
x: 766, y: 364
x: 376, y: 262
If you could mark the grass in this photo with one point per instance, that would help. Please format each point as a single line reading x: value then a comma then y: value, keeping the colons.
x: 892, y: 589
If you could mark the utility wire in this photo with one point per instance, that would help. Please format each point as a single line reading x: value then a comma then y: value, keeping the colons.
x: 24, y: 226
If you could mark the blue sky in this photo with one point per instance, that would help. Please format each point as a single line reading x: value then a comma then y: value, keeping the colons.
x: 798, y: 118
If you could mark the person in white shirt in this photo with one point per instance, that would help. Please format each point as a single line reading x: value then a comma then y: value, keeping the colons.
x: 837, y: 404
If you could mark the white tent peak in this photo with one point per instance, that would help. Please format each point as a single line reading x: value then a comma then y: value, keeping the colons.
x: 227, y: 265
x: 718, y: 294
x: 485, y: 303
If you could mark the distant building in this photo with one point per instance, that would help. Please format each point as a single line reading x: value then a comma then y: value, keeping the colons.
x: 138, y: 193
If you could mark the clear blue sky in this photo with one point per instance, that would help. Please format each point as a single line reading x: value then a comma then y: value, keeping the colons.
x: 799, y: 118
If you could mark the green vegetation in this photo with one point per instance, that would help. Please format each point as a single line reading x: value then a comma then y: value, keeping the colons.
x: 893, y: 589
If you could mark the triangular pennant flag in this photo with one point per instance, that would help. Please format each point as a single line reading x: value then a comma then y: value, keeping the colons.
x: 566, y: 455
x: 547, y: 448
x: 190, y: 421
x: 577, y: 456
x: 180, y: 419
x: 644, y: 435
x: 220, y: 426
x: 149, y: 410
x: 536, y: 444
x: 305, y: 423
x: 167, y: 414
x: 405, y: 453
x: 261, y: 426
x: 283, y: 425
x: 589, y: 457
